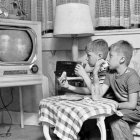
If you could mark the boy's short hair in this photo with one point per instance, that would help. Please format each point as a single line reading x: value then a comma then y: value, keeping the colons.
x: 98, y: 45
x: 124, y: 47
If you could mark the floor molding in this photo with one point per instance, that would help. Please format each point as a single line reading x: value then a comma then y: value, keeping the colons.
x: 29, y: 118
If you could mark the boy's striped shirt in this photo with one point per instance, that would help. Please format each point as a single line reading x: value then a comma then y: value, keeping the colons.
x: 101, y: 75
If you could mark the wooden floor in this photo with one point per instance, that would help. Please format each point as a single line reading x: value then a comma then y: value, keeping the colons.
x: 31, y: 133
x: 28, y: 133
x: 17, y: 133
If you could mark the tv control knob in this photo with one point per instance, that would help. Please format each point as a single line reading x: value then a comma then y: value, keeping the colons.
x: 34, y: 69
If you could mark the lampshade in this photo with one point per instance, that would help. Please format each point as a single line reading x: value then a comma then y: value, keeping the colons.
x: 73, y: 20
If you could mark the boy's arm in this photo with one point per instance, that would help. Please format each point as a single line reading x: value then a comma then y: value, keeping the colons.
x: 79, y: 70
x: 97, y: 89
x: 131, y: 103
x: 64, y: 83
x: 133, y: 86
x: 80, y: 90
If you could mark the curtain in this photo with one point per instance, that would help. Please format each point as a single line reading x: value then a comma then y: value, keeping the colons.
x: 44, y: 13
x: 135, y: 11
x: 36, y: 10
x: 25, y: 4
x: 59, y: 2
x: 108, y: 13
x: 7, y: 5
x: 117, y: 13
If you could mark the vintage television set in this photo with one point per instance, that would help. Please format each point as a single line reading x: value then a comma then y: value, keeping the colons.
x: 21, y: 60
x: 20, y: 48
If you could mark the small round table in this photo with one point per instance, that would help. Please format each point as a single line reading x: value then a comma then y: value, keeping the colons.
x: 67, y: 116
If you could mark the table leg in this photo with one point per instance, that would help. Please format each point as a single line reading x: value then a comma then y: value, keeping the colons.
x: 46, y: 131
x: 101, y: 125
x: 21, y: 108
x: 45, y: 87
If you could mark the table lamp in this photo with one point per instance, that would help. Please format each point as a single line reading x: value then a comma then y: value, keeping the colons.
x: 73, y: 20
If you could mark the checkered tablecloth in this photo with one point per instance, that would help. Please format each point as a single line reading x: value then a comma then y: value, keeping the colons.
x: 67, y: 116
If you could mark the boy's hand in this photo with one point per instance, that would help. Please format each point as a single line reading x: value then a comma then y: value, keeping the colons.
x: 98, y: 65
x: 80, y: 71
x: 63, y: 80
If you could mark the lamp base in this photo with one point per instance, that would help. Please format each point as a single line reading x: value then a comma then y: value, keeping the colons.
x: 75, y: 49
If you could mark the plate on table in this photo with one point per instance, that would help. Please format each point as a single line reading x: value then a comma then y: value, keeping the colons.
x: 71, y: 97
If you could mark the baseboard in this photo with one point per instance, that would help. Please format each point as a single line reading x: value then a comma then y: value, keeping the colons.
x: 29, y: 118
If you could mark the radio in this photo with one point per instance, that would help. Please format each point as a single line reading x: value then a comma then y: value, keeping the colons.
x: 67, y: 66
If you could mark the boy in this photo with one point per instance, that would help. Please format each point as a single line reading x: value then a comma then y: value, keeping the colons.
x: 97, y: 49
x: 125, y: 84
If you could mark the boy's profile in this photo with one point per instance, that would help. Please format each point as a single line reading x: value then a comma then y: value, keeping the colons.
x: 95, y: 50
x: 125, y: 84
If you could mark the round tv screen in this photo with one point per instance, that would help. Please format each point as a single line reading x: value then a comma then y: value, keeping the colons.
x: 15, y: 45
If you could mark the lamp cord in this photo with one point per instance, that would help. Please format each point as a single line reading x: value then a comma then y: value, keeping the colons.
x: 7, y: 134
